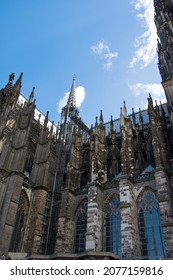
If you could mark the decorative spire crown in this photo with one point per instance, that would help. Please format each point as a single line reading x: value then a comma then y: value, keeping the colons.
x: 72, y: 95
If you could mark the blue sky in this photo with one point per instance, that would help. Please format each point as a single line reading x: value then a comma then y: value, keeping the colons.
x: 109, y: 45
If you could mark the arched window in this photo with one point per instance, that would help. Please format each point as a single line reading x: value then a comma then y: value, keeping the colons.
x: 113, y: 227
x: 28, y: 165
x: 21, y: 216
x: 81, y: 228
x: 151, y: 234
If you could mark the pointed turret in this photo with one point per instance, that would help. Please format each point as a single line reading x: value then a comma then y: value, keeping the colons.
x: 133, y: 118
x: 9, y: 85
x: 72, y: 96
x: 121, y: 117
x: 18, y: 83
x: 70, y: 109
x: 46, y: 119
x: 101, y: 118
x: 111, y: 125
x: 124, y: 109
x: 31, y: 96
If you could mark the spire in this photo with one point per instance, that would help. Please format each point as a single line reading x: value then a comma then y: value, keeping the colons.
x: 11, y: 78
x: 46, y: 119
x: 150, y: 101
x: 121, y: 117
x: 101, y: 117
x: 9, y: 85
x: 111, y: 125
x: 31, y: 96
x: 133, y: 117
x: 96, y: 123
x: 72, y: 96
x: 125, y: 109
x: 18, y: 83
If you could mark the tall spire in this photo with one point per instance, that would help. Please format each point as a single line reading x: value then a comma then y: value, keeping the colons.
x: 72, y: 96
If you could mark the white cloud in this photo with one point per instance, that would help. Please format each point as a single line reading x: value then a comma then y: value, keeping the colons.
x: 146, y: 43
x: 102, y: 49
x: 143, y: 90
x: 80, y: 96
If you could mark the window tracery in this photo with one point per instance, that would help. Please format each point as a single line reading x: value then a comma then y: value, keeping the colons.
x: 113, y: 227
x: 81, y: 228
x: 151, y: 234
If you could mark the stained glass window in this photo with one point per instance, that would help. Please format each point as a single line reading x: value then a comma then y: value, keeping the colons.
x: 151, y: 234
x: 113, y: 227
x: 81, y: 228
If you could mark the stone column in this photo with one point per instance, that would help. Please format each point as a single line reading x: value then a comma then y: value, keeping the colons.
x: 66, y: 224
x: 9, y: 209
x: 35, y: 226
x: 129, y: 225
x: 94, y: 219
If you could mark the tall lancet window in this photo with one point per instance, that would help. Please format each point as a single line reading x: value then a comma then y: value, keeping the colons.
x: 151, y: 234
x: 20, y: 223
x: 113, y: 227
x: 81, y: 228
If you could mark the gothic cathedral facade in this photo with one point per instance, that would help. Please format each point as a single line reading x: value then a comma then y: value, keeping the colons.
x: 104, y: 192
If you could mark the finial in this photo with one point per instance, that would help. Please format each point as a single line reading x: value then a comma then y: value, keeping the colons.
x: 111, y: 124
x: 125, y: 109
x: 101, y: 117
x: 18, y: 85
x: 150, y: 100
x: 46, y: 119
x: 11, y: 77
x: 133, y: 116
x: 74, y: 77
x: 31, y: 96
x: 19, y: 81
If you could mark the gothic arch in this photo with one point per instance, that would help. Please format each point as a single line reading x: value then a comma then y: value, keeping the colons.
x: 112, y: 224
x: 80, y: 227
x: 150, y: 226
x: 109, y: 198
x: 28, y: 164
x: 140, y: 195
x: 20, y: 223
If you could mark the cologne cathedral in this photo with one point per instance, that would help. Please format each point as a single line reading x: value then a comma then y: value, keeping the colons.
x: 76, y: 192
